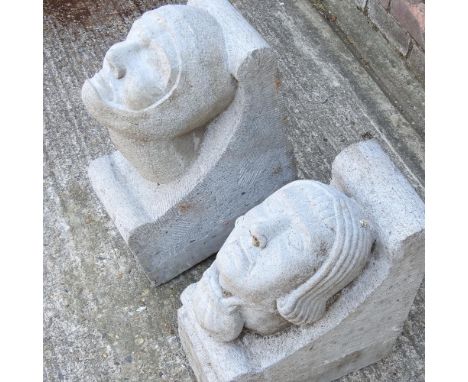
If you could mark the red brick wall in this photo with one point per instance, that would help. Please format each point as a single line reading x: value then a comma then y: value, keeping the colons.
x: 402, y: 23
x: 409, y: 14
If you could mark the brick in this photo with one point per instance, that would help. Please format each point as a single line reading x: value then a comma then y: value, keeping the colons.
x: 416, y: 61
x: 388, y: 26
x: 410, y: 14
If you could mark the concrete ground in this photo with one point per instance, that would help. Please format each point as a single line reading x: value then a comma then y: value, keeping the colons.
x: 103, y: 319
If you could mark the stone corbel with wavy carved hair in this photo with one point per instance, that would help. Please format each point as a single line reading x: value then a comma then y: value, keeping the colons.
x: 190, y: 100
x: 283, y: 261
x: 314, y: 282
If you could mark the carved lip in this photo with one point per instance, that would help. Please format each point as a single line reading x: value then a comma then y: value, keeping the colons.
x: 102, y: 87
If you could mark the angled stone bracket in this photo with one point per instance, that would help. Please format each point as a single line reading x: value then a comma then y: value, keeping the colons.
x: 239, y: 156
x: 362, y: 323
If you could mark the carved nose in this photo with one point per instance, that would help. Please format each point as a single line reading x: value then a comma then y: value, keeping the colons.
x: 115, y: 58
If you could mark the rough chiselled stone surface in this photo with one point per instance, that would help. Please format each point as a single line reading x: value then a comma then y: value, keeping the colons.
x: 344, y: 316
x: 190, y: 101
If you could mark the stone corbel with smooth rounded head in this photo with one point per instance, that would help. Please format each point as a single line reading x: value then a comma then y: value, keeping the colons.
x: 190, y: 101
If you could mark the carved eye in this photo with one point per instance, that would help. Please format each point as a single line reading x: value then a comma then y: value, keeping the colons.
x: 259, y: 241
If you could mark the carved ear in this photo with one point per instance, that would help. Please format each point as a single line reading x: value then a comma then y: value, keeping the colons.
x: 307, y: 303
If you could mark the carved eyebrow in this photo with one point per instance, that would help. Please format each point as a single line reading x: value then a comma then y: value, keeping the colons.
x: 270, y: 228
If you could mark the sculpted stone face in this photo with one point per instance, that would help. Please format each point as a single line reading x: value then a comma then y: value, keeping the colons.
x: 160, y: 87
x: 268, y: 249
x: 139, y: 71
x: 282, y: 262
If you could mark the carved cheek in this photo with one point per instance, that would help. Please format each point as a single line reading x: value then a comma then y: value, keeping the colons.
x: 295, y: 241
x: 161, y: 64
x: 142, y: 85
x: 139, y: 92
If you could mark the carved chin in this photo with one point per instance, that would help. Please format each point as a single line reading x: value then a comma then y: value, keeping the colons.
x: 223, y: 323
x: 92, y: 99
x: 106, y: 113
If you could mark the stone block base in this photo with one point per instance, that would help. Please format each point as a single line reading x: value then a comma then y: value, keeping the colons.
x: 170, y: 228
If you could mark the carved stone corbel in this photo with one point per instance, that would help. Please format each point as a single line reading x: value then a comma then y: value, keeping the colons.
x: 313, y: 283
x: 190, y: 100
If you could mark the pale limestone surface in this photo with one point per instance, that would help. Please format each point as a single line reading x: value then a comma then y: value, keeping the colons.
x: 360, y: 324
x: 103, y: 319
x: 217, y: 116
